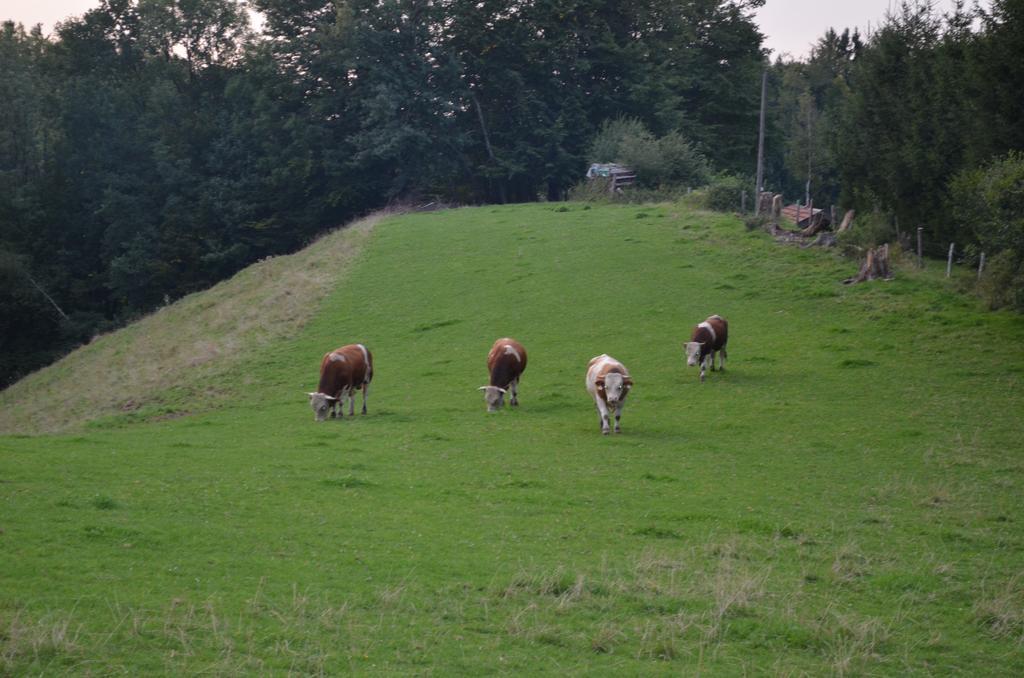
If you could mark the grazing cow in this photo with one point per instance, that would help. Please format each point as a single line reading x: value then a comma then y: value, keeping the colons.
x: 708, y: 338
x: 609, y: 383
x: 506, y: 363
x: 342, y: 372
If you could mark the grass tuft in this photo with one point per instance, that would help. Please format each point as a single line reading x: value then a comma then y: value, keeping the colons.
x: 657, y: 532
x: 103, y: 502
x: 347, y: 481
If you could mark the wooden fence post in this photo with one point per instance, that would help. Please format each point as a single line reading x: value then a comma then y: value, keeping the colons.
x: 743, y: 202
x: 920, y: 249
x: 949, y: 262
x: 981, y: 265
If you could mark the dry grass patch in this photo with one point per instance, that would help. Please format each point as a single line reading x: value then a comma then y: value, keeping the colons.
x: 849, y: 564
x: 851, y: 642
x: 1001, y: 613
x: 186, y: 346
x: 36, y: 642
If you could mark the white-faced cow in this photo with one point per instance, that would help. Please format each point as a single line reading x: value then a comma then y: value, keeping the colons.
x: 708, y: 338
x: 505, y: 362
x: 342, y: 371
x: 609, y: 383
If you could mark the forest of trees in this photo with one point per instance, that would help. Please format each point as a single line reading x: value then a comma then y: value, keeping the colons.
x: 153, y: 147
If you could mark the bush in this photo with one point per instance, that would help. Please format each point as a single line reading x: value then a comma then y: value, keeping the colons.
x: 614, y: 134
x: 590, y: 190
x: 724, y: 194
x: 658, y: 162
x: 870, y: 230
x: 1002, y: 282
x: 988, y: 203
x: 596, y: 190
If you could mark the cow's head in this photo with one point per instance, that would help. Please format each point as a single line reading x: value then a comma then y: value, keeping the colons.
x: 494, y: 396
x: 321, y: 404
x: 692, y: 349
x: 615, y: 387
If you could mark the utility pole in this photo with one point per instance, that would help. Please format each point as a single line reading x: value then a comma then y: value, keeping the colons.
x: 810, y: 151
x: 760, y: 147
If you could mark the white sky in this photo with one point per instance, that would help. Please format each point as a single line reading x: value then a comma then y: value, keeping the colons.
x: 791, y: 26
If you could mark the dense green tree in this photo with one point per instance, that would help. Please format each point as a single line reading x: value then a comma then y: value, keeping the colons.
x: 897, y: 144
x: 997, y: 77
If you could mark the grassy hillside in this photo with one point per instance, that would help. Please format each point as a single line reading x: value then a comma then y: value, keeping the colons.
x: 844, y: 499
x: 176, y: 361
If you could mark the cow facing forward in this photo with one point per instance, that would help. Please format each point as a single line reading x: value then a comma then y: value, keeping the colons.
x: 609, y: 383
x: 707, y: 339
x: 342, y: 372
x: 505, y: 362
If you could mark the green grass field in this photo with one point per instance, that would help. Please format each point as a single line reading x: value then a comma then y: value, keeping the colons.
x: 844, y: 499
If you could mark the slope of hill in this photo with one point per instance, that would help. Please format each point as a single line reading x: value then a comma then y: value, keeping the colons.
x: 844, y: 499
x: 176, y: 360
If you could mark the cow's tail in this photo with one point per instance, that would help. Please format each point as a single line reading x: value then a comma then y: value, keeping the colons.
x: 369, y: 364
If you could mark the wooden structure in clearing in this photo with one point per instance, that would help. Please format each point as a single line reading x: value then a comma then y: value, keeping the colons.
x: 805, y: 217
x: 617, y: 175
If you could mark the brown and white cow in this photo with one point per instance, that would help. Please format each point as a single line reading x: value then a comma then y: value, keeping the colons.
x: 708, y: 338
x: 342, y: 372
x: 505, y: 362
x: 609, y: 383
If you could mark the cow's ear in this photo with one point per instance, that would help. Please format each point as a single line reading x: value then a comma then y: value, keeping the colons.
x: 627, y: 382
x: 600, y: 384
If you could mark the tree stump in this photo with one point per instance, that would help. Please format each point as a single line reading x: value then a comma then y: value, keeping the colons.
x: 847, y: 222
x: 875, y: 266
x: 817, y: 223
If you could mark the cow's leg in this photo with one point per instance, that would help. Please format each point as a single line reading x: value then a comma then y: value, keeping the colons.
x: 721, y: 359
x: 337, y: 407
x: 703, y: 367
x: 513, y: 400
x: 602, y: 410
x: 366, y: 392
x: 713, y: 360
x: 352, y: 401
x: 618, y: 416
